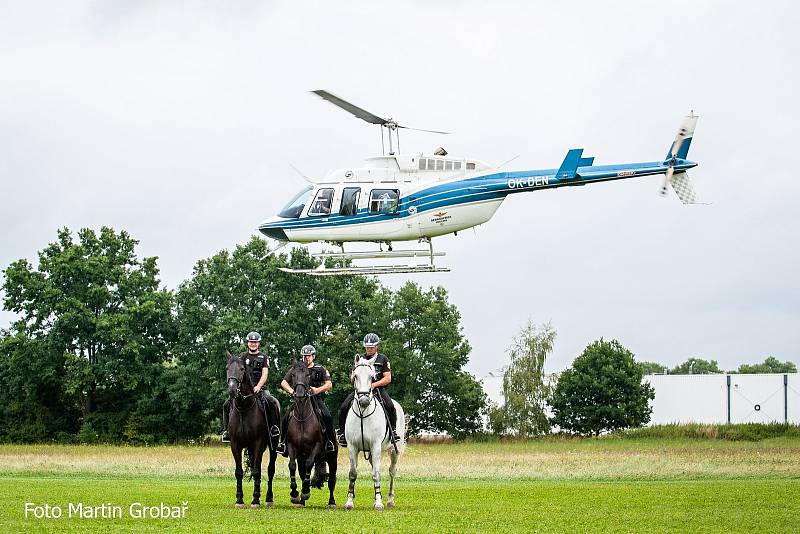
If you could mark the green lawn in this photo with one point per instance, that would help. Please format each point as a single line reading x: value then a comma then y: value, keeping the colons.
x: 572, y: 485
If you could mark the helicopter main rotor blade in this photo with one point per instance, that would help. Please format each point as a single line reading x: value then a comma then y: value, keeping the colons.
x: 421, y: 130
x: 350, y: 108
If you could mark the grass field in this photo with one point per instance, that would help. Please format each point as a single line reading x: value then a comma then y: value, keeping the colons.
x: 550, y: 485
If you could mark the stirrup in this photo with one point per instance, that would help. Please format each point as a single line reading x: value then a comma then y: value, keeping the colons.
x: 393, y: 437
x: 275, y: 432
x: 329, y: 446
x: 225, y: 437
x: 342, y: 439
x: 281, y: 449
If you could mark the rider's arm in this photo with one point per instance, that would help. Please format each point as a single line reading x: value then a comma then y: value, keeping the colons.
x: 323, y: 388
x: 385, y: 381
x: 286, y: 387
x: 263, y: 379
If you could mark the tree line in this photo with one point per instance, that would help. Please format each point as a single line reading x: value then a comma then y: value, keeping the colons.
x: 602, y: 391
x: 101, y: 351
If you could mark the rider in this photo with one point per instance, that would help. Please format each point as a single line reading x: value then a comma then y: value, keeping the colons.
x: 257, y: 364
x: 383, y: 377
x: 319, y: 381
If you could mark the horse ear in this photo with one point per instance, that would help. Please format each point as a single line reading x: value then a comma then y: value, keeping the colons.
x: 228, y: 355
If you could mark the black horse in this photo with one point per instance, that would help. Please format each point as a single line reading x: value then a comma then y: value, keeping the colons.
x: 305, y: 441
x: 248, y: 431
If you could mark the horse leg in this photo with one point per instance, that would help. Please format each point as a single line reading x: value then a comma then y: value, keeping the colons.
x: 295, y: 496
x: 392, y: 470
x: 237, y: 457
x: 270, y: 475
x: 375, y: 460
x: 255, y: 471
x: 332, y: 465
x: 308, y: 466
x: 352, y: 451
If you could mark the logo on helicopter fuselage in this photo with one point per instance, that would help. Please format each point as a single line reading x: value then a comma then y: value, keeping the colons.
x: 441, y: 217
x: 532, y: 181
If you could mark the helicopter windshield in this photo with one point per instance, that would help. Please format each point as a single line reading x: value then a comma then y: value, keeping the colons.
x: 294, y: 207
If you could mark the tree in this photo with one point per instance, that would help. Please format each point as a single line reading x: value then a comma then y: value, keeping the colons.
x: 232, y: 293
x: 602, y: 391
x: 697, y: 366
x: 525, y: 388
x: 96, y: 313
x: 653, y: 368
x: 427, y: 350
x: 770, y: 365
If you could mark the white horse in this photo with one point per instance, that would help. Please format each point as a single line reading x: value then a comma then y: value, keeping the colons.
x: 367, y: 431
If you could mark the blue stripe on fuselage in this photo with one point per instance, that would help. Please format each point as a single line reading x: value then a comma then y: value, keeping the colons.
x: 482, y: 188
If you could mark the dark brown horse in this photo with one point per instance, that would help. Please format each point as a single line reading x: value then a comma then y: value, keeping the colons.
x: 305, y: 442
x: 248, y: 431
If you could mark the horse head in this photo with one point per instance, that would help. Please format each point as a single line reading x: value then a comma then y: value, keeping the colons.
x: 363, y: 375
x: 236, y: 375
x: 299, y: 372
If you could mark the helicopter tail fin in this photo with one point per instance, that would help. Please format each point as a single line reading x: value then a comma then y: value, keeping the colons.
x: 680, y: 146
x: 569, y: 167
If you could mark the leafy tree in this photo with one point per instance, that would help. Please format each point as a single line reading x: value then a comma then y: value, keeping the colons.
x: 602, y: 391
x: 697, y: 366
x: 230, y: 294
x: 428, y: 351
x: 93, y: 316
x: 770, y: 365
x: 653, y: 368
x: 525, y: 387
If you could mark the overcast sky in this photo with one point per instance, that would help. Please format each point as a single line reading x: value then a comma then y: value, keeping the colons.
x: 178, y: 121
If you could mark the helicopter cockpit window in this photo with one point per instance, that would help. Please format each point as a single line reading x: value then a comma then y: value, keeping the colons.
x: 383, y: 200
x: 294, y: 207
x: 350, y: 201
x: 322, y: 202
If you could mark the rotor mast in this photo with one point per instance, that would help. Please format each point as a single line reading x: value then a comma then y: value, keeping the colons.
x: 390, y: 124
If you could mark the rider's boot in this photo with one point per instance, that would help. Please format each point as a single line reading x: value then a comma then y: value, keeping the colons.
x: 281, y: 449
x: 393, y: 437
x: 342, y: 439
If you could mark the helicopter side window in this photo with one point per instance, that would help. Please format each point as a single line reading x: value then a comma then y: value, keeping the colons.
x: 448, y: 165
x: 294, y: 207
x: 350, y: 201
x: 470, y: 166
x: 439, y: 165
x: 422, y: 162
x: 383, y: 200
x: 322, y: 203
x: 457, y: 165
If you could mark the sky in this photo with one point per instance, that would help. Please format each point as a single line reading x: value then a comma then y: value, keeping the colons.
x: 178, y: 122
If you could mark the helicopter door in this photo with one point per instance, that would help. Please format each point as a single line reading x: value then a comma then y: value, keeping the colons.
x: 350, y: 198
x: 385, y: 202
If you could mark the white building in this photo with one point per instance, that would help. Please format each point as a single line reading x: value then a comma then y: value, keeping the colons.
x: 724, y: 398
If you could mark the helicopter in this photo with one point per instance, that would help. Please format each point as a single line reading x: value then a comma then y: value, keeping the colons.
x: 398, y: 197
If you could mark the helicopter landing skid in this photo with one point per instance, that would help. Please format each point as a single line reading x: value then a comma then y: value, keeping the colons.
x: 368, y: 270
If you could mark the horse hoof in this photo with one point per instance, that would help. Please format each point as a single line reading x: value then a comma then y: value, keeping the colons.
x: 299, y: 505
x: 255, y: 505
x: 348, y: 506
x: 332, y: 506
x: 269, y: 504
x: 378, y: 506
x: 296, y: 500
x: 390, y: 504
x: 305, y: 496
x: 239, y: 505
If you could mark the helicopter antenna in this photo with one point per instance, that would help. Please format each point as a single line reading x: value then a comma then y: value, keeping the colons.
x: 390, y: 124
x: 298, y: 171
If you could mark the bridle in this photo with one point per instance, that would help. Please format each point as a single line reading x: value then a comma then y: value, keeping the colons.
x: 302, y: 398
x: 356, y: 406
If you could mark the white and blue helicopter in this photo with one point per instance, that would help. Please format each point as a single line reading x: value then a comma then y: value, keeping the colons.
x: 416, y: 197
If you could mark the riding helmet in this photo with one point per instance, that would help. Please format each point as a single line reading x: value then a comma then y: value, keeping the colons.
x: 254, y: 336
x: 307, y: 349
x: 371, y: 340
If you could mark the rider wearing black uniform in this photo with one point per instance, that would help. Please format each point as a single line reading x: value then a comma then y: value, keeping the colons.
x: 257, y: 364
x: 383, y: 377
x: 319, y: 381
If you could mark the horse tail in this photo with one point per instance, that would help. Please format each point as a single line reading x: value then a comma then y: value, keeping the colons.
x: 248, y: 464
